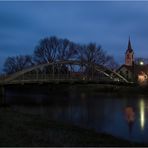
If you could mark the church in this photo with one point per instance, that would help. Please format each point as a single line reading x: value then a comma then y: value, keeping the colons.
x: 132, y: 71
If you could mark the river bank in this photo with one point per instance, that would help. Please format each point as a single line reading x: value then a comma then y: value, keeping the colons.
x: 18, y: 129
x: 79, y: 86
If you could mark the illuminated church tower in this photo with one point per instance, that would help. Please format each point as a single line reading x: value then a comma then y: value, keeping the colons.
x: 129, y: 55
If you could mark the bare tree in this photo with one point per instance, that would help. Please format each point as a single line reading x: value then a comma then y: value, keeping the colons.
x: 46, y: 51
x: 92, y: 53
x: 67, y: 50
x: 111, y: 63
x: 52, y: 49
x: 17, y: 63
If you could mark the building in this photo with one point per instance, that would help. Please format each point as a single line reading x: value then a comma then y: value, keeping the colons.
x: 133, y: 71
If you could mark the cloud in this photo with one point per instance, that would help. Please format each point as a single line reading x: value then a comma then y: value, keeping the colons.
x: 23, y: 24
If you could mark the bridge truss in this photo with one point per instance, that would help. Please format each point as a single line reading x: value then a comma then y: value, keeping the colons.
x: 64, y: 71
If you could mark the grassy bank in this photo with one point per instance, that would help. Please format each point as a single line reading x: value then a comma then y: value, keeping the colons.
x: 18, y: 129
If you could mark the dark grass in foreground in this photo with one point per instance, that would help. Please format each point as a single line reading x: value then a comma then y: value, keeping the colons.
x: 18, y: 129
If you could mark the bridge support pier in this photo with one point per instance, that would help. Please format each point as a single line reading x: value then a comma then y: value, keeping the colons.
x: 2, y: 95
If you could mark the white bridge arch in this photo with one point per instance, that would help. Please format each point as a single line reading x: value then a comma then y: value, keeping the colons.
x: 21, y: 76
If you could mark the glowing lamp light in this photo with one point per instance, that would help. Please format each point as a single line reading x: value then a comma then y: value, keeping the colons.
x: 141, y: 63
x: 142, y: 114
x: 141, y: 78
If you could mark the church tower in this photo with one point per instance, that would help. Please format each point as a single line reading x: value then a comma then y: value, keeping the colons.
x: 129, y: 55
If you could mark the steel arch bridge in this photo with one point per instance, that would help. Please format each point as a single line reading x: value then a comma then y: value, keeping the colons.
x: 66, y: 70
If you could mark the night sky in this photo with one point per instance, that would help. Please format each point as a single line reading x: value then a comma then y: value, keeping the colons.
x: 23, y: 24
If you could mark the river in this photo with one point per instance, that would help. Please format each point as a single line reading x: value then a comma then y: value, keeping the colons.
x: 123, y: 116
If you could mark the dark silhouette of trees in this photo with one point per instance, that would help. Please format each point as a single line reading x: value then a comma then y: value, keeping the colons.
x: 111, y: 63
x: 52, y: 49
x: 93, y: 54
x: 46, y: 51
x: 67, y: 50
x: 17, y: 63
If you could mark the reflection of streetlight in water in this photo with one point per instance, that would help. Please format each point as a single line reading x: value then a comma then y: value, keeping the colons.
x: 142, y: 114
x: 130, y: 117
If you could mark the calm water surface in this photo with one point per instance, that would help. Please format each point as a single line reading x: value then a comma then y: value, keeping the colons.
x: 125, y: 117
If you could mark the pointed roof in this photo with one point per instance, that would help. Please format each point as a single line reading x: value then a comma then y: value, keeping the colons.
x: 129, y: 46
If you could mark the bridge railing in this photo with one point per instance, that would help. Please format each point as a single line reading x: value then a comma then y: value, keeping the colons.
x: 3, y: 78
x: 28, y: 78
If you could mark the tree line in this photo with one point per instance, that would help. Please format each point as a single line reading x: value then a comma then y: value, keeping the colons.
x: 52, y: 49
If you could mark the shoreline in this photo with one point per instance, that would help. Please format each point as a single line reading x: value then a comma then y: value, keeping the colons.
x: 92, y: 87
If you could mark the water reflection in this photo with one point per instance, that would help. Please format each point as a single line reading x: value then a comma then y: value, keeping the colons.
x: 101, y: 112
x: 142, y: 113
x: 130, y: 117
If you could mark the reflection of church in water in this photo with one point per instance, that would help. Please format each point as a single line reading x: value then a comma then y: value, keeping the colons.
x: 131, y: 70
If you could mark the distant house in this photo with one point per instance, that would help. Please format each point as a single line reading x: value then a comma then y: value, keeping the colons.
x: 130, y: 70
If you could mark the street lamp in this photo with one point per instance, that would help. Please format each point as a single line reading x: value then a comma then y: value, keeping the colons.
x: 141, y: 63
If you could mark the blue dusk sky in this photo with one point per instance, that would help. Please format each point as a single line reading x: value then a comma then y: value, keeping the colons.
x: 24, y: 23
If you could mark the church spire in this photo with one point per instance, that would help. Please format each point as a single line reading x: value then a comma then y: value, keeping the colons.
x: 129, y: 55
x: 129, y: 46
x: 129, y: 43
